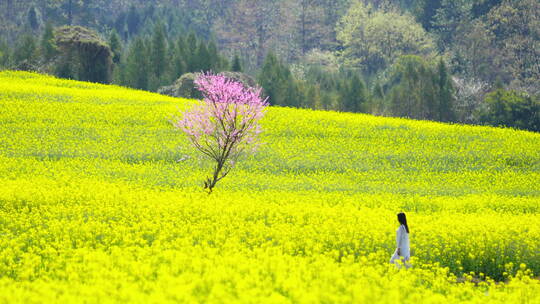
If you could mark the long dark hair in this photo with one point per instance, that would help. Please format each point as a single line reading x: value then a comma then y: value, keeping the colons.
x: 402, y: 219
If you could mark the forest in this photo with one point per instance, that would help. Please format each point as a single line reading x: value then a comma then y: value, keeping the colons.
x: 462, y: 61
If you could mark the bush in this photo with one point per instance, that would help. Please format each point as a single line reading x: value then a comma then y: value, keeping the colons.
x: 511, y: 108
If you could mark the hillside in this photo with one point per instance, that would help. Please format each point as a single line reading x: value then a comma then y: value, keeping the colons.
x: 94, y: 204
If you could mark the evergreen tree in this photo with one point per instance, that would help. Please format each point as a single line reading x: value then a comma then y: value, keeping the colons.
x: 191, y: 53
x: 202, y: 59
x: 425, y: 11
x: 47, y: 46
x: 356, y: 97
x: 445, y: 93
x: 215, y: 62
x: 179, y: 66
x: 33, y: 19
x: 133, y: 21
x: 25, y: 55
x: 4, y: 55
x: 276, y: 80
x: 137, y: 65
x: 116, y: 46
x: 413, y: 92
x: 450, y: 19
x: 158, y: 52
x: 236, y: 65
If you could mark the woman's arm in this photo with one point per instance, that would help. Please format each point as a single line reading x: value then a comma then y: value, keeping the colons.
x: 398, y: 239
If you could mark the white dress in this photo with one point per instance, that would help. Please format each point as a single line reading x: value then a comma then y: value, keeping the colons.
x: 402, y: 242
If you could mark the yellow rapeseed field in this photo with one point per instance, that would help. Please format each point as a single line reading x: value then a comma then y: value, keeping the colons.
x: 101, y: 201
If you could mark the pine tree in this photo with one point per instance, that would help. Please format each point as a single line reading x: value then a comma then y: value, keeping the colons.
x: 275, y: 78
x: 179, y: 66
x: 116, y: 46
x: 236, y: 66
x: 47, y: 46
x: 25, y: 55
x: 215, y: 61
x: 133, y: 21
x: 191, y: 53
x: 33, y: 19
x: 158, y: 52
x: 5, y: 54
x: 445, y: 93
x: 203, y: 62
x: 357, y: 95
x: 136, y: 65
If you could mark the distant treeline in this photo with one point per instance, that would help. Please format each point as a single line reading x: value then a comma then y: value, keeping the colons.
x: 447, y: 60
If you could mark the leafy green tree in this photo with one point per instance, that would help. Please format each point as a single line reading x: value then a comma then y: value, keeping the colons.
x: 515, y: 25
x: 511, y: 109
x: 373, y: 39
x: 425, y: 11
x: 451, y: 19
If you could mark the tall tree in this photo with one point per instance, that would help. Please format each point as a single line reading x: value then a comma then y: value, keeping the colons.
x: 445, y: 94
x: 137, y: 69
x: 116, y: 46
x: 48, y: 46
x: 236, y: 65
x: 452, y: 17
x: 33, y: 19
x: 158, y: 52
x: 374, y: 39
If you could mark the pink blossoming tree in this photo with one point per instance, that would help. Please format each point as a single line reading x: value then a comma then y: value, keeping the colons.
x: 225, y: 125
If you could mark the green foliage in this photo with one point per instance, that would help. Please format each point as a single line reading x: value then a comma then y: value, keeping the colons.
x: 137, y: 67
x: 276, y: 80
x: 26, y: 53
x: 158, y: 51
x: 354, y: 96
x: 415, y: 89
x: 5, y: 55
x: 511, y: 108
x: 425, y: 11
x: 515, y: 25
x: 236, y: 65
x: 133, y: 21
x: 33, y: 21
x: 373, y: 39
x: 450, y: 19
x: 116, y: 46
x: 444, y: 93
x: 48, y: 47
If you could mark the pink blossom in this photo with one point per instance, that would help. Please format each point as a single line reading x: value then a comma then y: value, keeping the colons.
x: 226, y: 124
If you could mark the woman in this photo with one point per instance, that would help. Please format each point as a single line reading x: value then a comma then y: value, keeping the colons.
x: 403, y: 251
